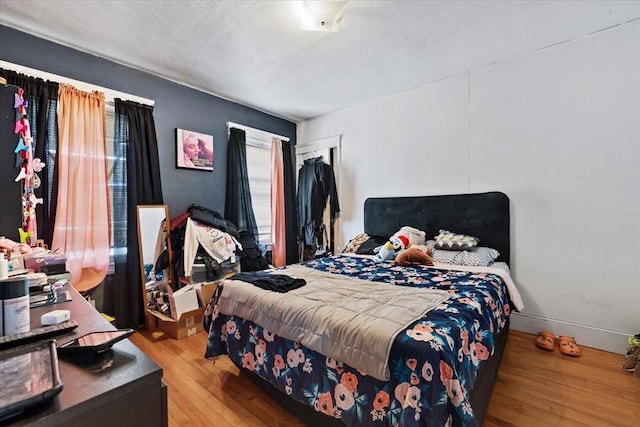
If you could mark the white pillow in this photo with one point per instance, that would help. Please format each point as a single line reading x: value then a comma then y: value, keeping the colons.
x: 478, y: 256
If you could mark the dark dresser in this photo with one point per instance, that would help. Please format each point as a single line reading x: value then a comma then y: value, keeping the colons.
x: 122, y: 388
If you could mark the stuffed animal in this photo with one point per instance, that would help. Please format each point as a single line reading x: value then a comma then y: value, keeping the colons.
x: 414, y: 255
x: 415, y: 236
x: 385, y: 252
x: 11, y: 246
x: 388, y: 251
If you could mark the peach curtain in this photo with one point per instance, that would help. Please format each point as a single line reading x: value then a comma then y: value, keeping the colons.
x: 82, y: 221
x: 278, y: 234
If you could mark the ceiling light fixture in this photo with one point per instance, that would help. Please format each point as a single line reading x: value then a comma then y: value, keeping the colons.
x: 322, y: 15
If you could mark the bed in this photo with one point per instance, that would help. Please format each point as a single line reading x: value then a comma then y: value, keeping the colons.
x: 440, y: 367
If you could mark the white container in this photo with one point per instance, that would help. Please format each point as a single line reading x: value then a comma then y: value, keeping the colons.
x: 4, y: 267
x: 14, y: 306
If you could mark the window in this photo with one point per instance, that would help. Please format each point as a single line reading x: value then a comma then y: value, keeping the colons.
x: 259, y: 171
x: 259, y: 145
x: 116, y: 179
x: 116, y: 152
x: 117, y: 184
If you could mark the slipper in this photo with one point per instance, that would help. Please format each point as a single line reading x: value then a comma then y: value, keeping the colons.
x: 568, y: 346
x: 546, y: 341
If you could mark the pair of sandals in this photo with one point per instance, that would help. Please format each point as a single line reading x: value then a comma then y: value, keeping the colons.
x: 547, y: 341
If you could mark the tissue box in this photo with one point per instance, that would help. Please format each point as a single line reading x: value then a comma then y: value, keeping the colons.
x: 46, y: 262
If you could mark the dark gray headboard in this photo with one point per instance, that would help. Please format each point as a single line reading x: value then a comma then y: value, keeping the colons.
x: 482, y: 215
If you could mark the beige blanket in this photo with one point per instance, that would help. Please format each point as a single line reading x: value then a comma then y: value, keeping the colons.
x: 350, y: 320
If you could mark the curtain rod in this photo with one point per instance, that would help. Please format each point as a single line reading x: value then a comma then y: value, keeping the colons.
x: 250, y: 129
x: 109, y: 94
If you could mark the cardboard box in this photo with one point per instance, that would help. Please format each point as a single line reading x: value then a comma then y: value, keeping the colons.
x: 183, y: 300
x: 188, y: 324
x: 186, y: 315
x: 205, y: 292
x: 16, y: 264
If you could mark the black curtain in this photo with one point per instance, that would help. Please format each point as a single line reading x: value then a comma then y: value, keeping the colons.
x: 137, y: 146
x: 42, y: 98
x: 291, y: 220
x: 238, y: 208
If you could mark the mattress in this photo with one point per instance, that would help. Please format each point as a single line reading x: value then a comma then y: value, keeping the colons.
x: 433, y: 362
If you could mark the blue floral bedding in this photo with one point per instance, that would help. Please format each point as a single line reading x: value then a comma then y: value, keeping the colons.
x: 433, y: 362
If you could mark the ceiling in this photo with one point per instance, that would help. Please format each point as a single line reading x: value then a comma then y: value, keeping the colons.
x: 254, y: 53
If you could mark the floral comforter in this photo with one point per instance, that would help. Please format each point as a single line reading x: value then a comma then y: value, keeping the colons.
x: 433, y: 362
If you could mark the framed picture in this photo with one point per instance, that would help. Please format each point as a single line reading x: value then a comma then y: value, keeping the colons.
x: 194, y: 150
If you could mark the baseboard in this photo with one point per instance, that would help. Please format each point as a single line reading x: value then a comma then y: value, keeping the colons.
x: 587, y: 336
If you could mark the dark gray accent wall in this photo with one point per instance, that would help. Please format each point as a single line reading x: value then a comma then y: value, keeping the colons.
x: 176, y: 106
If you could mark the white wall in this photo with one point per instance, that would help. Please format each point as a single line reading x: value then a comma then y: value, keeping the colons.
x: 557, y: 130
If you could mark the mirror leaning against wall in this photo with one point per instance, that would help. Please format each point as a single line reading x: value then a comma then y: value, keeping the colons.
x: 155, y: 249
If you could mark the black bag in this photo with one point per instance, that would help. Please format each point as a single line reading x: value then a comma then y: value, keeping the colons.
x: 251, y: 258
x: 213, y: 219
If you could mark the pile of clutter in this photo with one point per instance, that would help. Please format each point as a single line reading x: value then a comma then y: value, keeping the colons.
x: 158, y: 297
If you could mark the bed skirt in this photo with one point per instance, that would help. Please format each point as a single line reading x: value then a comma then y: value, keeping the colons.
x: 479, y: 396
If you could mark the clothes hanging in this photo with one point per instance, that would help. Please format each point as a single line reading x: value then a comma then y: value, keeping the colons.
x: 316, y: 185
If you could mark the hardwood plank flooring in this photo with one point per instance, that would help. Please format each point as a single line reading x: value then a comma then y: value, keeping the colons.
x: 534, y: 387
x: 540, y: 388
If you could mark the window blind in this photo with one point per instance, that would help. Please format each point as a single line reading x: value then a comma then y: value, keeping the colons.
x: 259, y: 171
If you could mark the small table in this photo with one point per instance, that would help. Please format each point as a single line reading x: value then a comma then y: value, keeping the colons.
x: 129, y: 392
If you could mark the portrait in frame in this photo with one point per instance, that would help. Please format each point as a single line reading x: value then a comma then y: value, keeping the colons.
x: 194, y: 150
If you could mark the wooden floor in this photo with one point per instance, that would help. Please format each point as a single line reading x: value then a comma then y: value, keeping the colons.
x: 534, y: 387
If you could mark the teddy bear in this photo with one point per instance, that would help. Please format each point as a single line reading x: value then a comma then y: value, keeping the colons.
x: 388, y: 251
x: 415, y: 236
x: 414, y: 255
